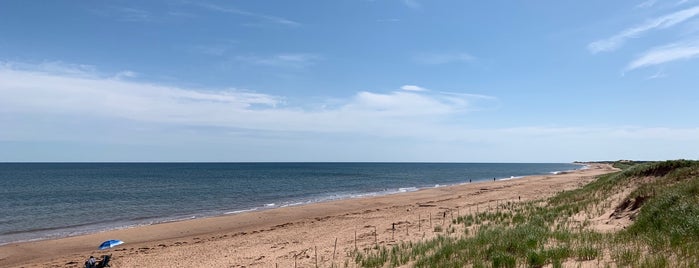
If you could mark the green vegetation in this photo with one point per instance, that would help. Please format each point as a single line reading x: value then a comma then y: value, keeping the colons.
x: 661, y: 199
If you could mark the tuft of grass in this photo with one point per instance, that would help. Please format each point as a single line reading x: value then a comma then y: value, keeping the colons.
x: 373, y: 259
x: 626, y: 256
x: 654, y: 261
x: 536, y: 259
x: 502, y: 259
x: 438, y: 229
x: 586, y: 253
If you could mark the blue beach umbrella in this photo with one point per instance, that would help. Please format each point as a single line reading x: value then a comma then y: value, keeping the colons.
x: 110, y: 244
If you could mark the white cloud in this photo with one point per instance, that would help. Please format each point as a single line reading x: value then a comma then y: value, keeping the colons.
x: 412, y: 88
x: 663, y: 22
x: 40, y: 93
x: 443, y: 58
x: 664, y: 54
x: 295, y: 60
x: 27, y: 92
x: 647, y: 4
x: 657, y: 75
x: 404, y: 104
x: 125, y: 74
x: 54, y: 67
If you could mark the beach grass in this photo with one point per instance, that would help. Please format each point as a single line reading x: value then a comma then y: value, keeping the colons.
x: 660, y: 199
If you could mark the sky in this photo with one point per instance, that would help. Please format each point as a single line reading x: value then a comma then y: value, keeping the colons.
x: 349, y: 80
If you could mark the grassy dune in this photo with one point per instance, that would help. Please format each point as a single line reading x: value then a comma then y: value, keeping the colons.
x: 646, y: 215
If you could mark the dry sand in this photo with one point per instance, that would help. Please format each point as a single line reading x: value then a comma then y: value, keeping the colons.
x: 294, y: 236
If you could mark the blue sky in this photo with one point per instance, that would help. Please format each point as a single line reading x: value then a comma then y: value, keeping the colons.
x: 349, y: 80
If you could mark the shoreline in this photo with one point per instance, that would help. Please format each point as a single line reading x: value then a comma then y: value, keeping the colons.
x: 72, y: 231
x: 254, y: 229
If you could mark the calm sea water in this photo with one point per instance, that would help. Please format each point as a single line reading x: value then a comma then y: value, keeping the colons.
x: 48, y: 200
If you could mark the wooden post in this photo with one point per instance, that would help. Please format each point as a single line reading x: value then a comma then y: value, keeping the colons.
x: 376, y: 239
x: 355, y: 240
x: 419, y: 222
x: 315, y: 250
x: 334, y: 249
x: 430, y: 220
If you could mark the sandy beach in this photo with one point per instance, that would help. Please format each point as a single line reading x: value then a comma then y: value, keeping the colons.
x: 300, y: 236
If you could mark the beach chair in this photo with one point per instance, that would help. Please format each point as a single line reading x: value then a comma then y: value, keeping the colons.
x: 105, y: 261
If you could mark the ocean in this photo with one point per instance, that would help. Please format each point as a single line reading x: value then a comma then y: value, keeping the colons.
x: 51, y: 200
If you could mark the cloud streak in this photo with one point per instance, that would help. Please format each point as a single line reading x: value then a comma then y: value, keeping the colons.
x: 647, y: 4
x: 664, y: 54
x: 284, y: 60
x: 126, y: 14
x: 413, y: 88
x: 667, y: 21
x: 245, y: 13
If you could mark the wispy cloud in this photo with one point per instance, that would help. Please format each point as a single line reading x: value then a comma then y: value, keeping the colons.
x: 128, y: 14
x: 657, y: 75
x: 245, y: 13
x: 664, y: 54
x: 412, y: 88
x: 663, y: 22
x: 443, y: 58
x: 392, y: 113
x: 53, y: 67
x: 647, y: 4
x: 288, y: 60
x: 181, y: 14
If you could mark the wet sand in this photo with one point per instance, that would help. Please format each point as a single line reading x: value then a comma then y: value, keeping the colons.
x: 298, y: 236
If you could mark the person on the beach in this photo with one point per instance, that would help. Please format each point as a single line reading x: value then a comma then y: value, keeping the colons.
x: 91, y: 262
